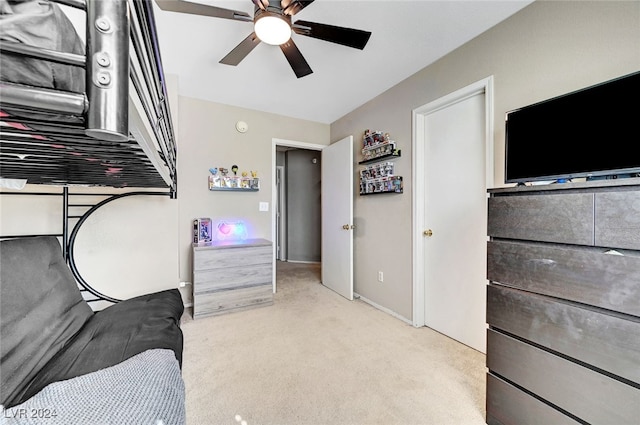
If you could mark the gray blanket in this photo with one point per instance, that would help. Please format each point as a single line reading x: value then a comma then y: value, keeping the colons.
x: 145, y: 389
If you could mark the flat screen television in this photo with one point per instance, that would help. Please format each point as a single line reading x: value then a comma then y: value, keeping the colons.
x: 592, y: 133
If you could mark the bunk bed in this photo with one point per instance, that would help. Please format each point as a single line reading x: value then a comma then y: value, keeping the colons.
x: 77, y: 113
x: 74, y: 114
x: 69, y: 120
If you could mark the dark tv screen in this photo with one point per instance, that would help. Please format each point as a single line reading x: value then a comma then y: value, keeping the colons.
x: 588, y: 133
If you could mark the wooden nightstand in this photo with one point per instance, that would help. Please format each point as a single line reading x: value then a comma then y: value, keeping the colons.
x: 232, y: 276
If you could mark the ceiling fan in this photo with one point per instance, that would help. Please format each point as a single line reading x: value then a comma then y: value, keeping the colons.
x: 272, y: 25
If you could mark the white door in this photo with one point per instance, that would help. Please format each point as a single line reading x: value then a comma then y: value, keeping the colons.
x: 455, y: 220
x: 337, y: 217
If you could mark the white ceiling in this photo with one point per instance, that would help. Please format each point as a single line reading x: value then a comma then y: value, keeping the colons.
x: 406, y: 37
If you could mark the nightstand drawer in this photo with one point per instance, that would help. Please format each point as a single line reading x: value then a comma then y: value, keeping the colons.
x: 233, y: 300
x: 205, y: 259
x: 232, y: 277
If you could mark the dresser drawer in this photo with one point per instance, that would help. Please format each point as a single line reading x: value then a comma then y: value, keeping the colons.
x: 232, y: 277
x: 204, y: 259
x: 566, y: 218
x: 585, y: 275
x: 606, y: 341
x: 618, y: 219
x: 507, y: 405
x: 574, y: 388
x: 233, y: 300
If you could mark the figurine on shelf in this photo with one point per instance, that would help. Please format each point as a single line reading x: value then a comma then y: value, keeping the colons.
x: 223, y: 171
x: 397, y: 183
x: 234, y: 168
x: 213, y: 171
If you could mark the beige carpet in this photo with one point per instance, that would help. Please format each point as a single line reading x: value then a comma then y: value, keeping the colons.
x: 316, y: 358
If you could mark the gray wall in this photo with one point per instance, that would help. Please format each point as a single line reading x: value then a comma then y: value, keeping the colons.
x: 208, y: 138
x: 546, y: 49
x: 303, y: 205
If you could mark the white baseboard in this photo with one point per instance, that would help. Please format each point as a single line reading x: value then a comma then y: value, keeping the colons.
x: 384, y: 309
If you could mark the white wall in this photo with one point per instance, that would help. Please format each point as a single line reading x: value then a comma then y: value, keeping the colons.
x: 546, y: 49
x: 124, y: 249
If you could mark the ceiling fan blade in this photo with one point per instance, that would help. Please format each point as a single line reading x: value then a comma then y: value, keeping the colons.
x: 245, y: 47
x: 346, y: 36
x: 262, y: 4
x: 203, y: 10
x: 291, y: 7
x: 296, y: 60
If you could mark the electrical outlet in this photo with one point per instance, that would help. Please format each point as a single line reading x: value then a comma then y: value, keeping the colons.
x: 380, y: 277
x: 264, y: 206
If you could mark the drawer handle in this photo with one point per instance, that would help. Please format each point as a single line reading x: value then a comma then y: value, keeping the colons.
x: 544, y: 261
x: 613, y: 252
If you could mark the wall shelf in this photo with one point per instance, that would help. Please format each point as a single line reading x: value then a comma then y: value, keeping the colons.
x: 234, y: 183
x: 380, y: 193
x: 233, y: 189
x: 380, y: 177
x: 391, y: 184
x: 396, y: 154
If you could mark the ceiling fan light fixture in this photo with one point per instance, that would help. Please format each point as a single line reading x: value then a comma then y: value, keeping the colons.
x: 272, y: 29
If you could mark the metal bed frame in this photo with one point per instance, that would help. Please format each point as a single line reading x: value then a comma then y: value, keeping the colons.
x: 116, y: 134
x: 119, y: 132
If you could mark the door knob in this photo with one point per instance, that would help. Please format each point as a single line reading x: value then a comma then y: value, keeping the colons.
x: 345, y: 227
x: 428, y: 232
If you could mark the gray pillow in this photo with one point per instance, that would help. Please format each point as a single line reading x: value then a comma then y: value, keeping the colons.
x: 41, y: 308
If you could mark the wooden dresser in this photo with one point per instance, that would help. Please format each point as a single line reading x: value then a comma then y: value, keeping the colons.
x: 563, y: 304
x: 231, y: 276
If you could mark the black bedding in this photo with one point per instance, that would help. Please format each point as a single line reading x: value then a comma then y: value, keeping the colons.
x: 40, y: 308
x: 116, y: 334
x: 42, y: 24
x: 49, y: 333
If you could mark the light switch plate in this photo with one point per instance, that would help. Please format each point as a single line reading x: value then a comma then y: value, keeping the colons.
x: 264, y: 206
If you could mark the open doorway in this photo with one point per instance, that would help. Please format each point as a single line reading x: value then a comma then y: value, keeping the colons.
x: 296, y: 215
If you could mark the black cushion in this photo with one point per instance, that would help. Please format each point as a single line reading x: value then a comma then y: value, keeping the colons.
x: 116, y: 334
x: 49, y: 333
x: 41, y: 310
